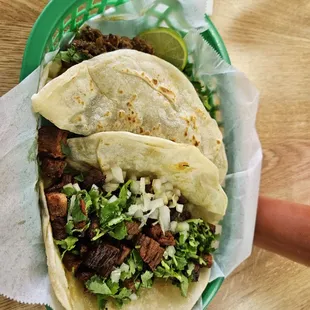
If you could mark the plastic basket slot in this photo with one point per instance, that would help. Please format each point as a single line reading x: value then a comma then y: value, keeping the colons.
x: 80, y: 19
x: 93, y: 11
x: 81, y: 8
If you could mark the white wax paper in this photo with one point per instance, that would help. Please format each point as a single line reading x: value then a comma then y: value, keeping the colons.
x: 23, y: 273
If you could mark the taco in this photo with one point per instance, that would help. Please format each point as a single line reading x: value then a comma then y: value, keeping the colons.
x: 131, y: 221
x: 128, y: 90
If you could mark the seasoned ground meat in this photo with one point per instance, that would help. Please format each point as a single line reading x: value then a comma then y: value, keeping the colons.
x: 195, y: 274
x: 132, y: 228
x: 50, y: 140
x: 71, y: 261
x: 80, y: 225
x: 157, y: 234
x: 208, y: 259
x: 150, y: 251
x: 66, y: 179
x: 83, y: 249
x: 94, y: 224
x: 102, y: 259
x: 57, y: 204
x: 94, y: 176
x: 125, y: 251
x: 185, y: 215
x: 59, y: 228
x: 91, y: 42
x: 53, y: 168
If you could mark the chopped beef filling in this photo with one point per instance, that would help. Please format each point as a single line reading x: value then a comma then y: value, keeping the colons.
x: 125, y: 251
x: 208, y: 258
x: 53, y: 168
x: 80, y: 225
x: 57, y: 204
x: 94, y: 176
x: 66, y: 179
x: 130, y: 284
x: 212, y: 228
x: 50, y: 142
x: 59, y: 228
x: 157, y: 234
x: 91, y: 42
x: 132, y: 228
x: 180, y: 217
x: 71, y: 262
x: 83, y: 274
x: 102, y: 259
x: 150, y: 251
x: 182, y: 200
x: 196, y: 272
x: 94, y: 224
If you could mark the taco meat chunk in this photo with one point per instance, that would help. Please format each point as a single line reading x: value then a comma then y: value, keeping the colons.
x: 50, y: 141
x: 130, y: 284
x: 208, y: 259
x: 102, y: 259
x: 53, y: 168
x: 84, y: 275
x: 94, y: 224
x: 59, y: 228
x: 125, y: 251
x: 94, y: 176
x: 196, y: 273
x: 66, y: 179
x: 150, y: 251
x: 57, y: 204
x: 157, y: 234
x: 132, y: 228
x: 71, y: 262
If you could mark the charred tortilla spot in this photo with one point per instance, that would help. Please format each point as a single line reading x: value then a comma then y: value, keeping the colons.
x: 121, y: 113
x: 79, y: 100
x: 141, y: 129
x: 155, y: 81
x: 218, y: 141
x: 120, y: 91
x: 182, y: 165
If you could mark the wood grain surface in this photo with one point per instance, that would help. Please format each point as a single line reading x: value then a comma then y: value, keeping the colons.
x: 270, y: 42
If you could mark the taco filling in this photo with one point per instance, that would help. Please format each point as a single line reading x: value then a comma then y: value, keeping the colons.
x: 116, y: 232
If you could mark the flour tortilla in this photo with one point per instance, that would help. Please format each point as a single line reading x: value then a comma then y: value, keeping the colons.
x: 127, y: 90
x: 183, y: 165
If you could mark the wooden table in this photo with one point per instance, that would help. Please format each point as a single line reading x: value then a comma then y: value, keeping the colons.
x: 270, y: 42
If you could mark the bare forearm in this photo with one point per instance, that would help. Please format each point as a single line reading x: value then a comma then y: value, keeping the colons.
x: 284, y: 228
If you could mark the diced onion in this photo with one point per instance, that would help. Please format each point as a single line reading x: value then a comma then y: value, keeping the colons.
x: 124, y: 175
x: 135, y: 187
x: 115, y: 275
x: 112, y: 199
x: 156, y: 184
x: 164, y: 218
x: 154, y: 215
x: 165, y: 198
x: 133, y: 209
x: 142, y: 185
x: 110, y: 187
x: 146, y: 203
x: 215, y: 244
x: 179, y: 207
x: 182, y: 226
x: 157, y: 203
x: 173, y: 226
x: 124, y: 267
x: 94, y: 187
x: 133, y: 296
x: 169, y: 195
x: 138, y: 214
x: 117, y: 174
x: 108, y: 176
x: 218, y: 229
x: 128, y: 194
x: 147, y: 180
x: 76, y: 187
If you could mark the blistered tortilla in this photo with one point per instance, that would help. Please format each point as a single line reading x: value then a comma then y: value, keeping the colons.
x: 127, y: 90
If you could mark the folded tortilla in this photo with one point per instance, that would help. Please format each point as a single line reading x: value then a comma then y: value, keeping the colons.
x: 182, y: 165
x: 127, y: 90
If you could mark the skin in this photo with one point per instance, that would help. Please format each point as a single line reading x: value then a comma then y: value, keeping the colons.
x: 284, y: 228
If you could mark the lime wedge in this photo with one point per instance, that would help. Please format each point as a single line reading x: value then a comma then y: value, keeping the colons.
x: 167, y: 44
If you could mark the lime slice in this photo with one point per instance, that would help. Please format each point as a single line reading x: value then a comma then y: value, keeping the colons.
x: 167, y: 44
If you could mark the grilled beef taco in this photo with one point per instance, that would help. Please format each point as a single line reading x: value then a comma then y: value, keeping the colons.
x: 129, y: 90
x: 130, y: 222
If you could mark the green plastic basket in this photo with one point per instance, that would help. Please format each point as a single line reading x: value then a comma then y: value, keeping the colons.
x: 61, y: 16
